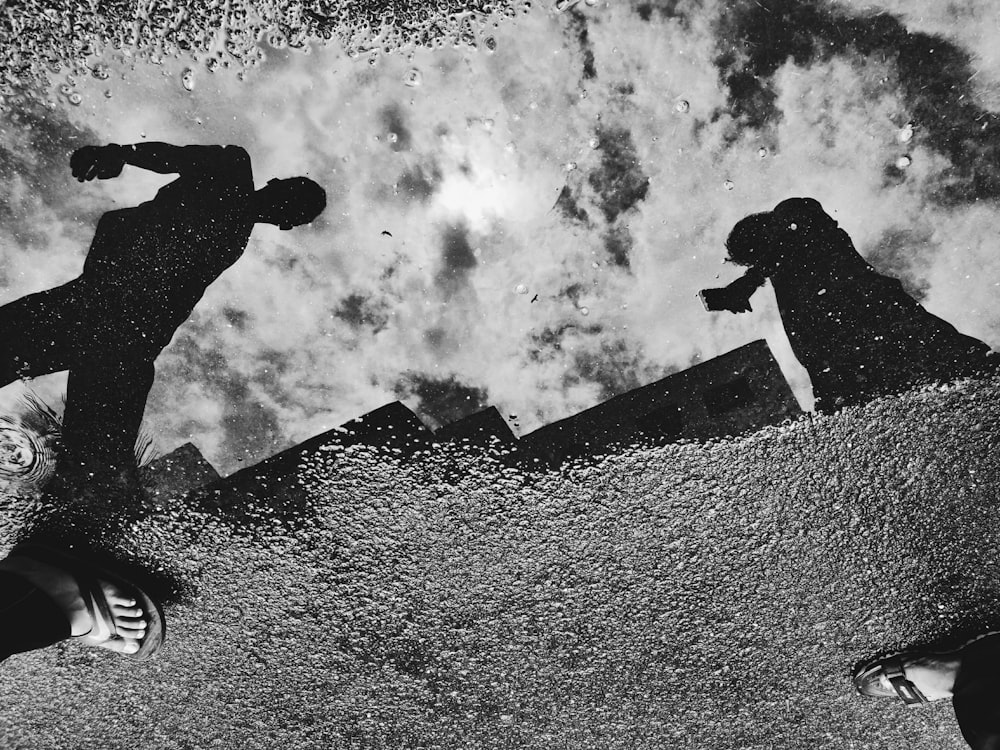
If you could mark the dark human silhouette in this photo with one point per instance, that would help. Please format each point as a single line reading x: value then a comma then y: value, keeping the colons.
x: 146, y: 269
x: 969, y: 675
x: 857, y: 332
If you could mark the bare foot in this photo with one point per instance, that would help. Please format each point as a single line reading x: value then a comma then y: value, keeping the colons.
x: 127, y: 617
x: 933, y: 674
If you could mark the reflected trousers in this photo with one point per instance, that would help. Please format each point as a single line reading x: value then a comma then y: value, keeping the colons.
x: 110, y: 372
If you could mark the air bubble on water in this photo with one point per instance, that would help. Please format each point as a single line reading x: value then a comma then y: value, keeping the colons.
x: 570, y: 166
x: 905, y: 133
x: 488, y: 124
x: 728, y: 184
x: 903, y: 162
x: 187, y: 79
x: 276, y: 40
x: 75, y: 99
x: 682, y: 105
x: 212, y: 64
x: 562, y: 5
x: 591, y: 3
x: 490, y: 43
x: 521, y: 289
x: 65, y: 89
x: 594, y: 142
x: 392, y: 138
x: 101, y: 71
x: 413, y: 77
x: 762, y: 152
x: 511, y: 147
x: 108, y: 94
x: 584, y: 311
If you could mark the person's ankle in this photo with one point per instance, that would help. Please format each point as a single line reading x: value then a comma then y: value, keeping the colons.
x: 933, y: 675
x: 56, y: 584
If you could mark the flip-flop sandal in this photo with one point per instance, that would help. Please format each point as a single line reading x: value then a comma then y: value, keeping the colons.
x: 867, y: 680
x: 867, y: 676
x: 88, y: 576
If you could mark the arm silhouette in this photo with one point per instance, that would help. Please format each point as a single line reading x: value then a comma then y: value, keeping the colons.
x: 736, y: 296
x: 107, y: 162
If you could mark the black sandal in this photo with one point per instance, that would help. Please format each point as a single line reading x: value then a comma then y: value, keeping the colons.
x: 867, y: 680
x: 88, y: 576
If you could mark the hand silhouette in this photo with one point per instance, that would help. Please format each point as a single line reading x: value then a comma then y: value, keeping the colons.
x: 725, y: 299
x: 102, y: 162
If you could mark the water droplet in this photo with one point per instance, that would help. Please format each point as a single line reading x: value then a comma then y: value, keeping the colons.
x: 100, y: 71
x: 65, y: 89
x: 490, y: 43
x: 392, y: 138
x: 277, y: 40
x: 905, y: 133
x: 594, y: 142
x: 903, y: 162
x: 584, y: 311
x: 728, y: 184
x: 562, y: 5
x: 682, y: 105
x: 187, y: 79
x: 413, y: 77
x: 570, y: 166
x: 108, y: 94
x: 75, y: 99
x: 521, y: 289
x: 511, y: 147
x: 762, y: 152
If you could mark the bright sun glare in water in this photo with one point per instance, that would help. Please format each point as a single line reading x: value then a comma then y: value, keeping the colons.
x: 477, y: 188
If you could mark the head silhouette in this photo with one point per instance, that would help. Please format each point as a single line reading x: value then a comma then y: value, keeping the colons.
x: 749, y: 243
x: 289, y: 202
x: 804, y: 216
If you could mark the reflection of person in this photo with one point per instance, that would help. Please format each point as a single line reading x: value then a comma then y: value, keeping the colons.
x: 146, y: 270
x: 970, y: 676
x: 47, y: 596
x: 857, y: 332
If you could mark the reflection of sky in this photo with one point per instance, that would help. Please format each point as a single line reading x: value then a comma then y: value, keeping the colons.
x: 528, y: 227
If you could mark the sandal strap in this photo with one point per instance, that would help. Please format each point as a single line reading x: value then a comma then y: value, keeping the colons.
x: 908, y: 692
x: 97, y: 607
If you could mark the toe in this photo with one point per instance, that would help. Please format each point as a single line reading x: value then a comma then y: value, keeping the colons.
x: 119, y: 600
x: 121, y: 645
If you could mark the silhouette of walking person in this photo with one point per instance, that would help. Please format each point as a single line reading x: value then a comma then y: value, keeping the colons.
x: 857, y: 332
x: 146, y: 269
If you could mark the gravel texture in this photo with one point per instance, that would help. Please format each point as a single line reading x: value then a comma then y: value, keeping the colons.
x: 690, y: 596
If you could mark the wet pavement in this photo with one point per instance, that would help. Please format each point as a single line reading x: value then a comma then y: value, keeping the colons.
x: 687, y: 596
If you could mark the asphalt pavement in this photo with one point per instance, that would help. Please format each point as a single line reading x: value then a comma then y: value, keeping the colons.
x: 695, y: 595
